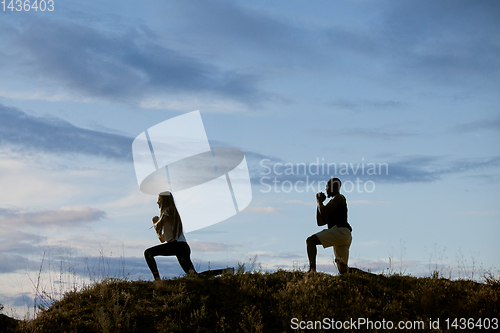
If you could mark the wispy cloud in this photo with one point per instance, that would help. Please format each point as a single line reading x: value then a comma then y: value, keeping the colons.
x: 365, y: 105
x: 350, y: 202
x: 64, y: 217
x: 13, y: 263
x: 481, y: 213
x: 232, y: 27
x: 432, y: 168
x: 478, y: 126
x: 429, y: 48
x: 20, y: 300
x: 400, y: 43
x: 18, y: 242
x: 264, y: 210
x: 53, y: 135
x: 367, y: 202
x: 207, y: 246
x: 367, y: 133
x: 118, y: 65
x: 406, y: 169
x: 403, y: 45
x: 133, y: 64
x: 301, y: 202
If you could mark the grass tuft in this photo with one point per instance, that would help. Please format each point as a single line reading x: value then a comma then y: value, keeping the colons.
x: 262, y: 302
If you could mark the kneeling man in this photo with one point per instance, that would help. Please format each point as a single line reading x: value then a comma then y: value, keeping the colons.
x: 338, y: 234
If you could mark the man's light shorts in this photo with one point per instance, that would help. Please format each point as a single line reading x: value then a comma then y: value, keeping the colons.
x: 339, y: 238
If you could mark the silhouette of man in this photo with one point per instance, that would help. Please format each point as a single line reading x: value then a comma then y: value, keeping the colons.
x: 338, y: 234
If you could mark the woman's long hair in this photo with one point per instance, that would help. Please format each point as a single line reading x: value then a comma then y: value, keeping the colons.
x: 166, y: 202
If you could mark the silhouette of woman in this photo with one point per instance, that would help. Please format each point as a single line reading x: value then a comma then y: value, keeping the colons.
x: 168, y: 227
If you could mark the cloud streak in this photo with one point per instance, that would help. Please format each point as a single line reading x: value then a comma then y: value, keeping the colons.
x: 133, y: 64
x: 13, y: 263
x: 53, y: 135
x: 366, y: 133
x: 225, y: 23
x: 477, y: 126
x: 400, y: 42
x: 262, y: 210
x: 64, y: 217
x: 118, y: 65
x: 407, y: 169
x: 403, y: 46
x: 365, y: 105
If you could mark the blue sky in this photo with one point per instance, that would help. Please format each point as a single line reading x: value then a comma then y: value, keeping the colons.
x: 408, y: 84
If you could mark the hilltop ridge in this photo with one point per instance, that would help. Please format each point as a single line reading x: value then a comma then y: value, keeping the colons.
x: 266, y: 302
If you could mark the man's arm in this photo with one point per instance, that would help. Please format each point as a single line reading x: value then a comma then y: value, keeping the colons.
x: 325, y: 210
x: 320, y: 220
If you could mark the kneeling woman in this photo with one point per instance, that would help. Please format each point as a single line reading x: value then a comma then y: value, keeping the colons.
x: 169, y: 228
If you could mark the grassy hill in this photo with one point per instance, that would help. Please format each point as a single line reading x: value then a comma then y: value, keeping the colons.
x: 268, y: 302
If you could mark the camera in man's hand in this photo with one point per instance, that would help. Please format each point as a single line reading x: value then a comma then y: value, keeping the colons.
x: 320, y: 196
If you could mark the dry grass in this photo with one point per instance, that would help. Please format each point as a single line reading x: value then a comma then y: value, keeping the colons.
x: 262, y: 302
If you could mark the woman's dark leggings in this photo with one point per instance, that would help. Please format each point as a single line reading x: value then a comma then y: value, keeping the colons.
x: 179, y: 249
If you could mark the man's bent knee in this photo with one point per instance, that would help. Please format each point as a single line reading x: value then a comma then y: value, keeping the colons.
x: 313, y: 240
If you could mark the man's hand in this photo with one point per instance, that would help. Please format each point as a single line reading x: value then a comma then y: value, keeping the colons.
x: 155, y: 219
x: 320, y: 196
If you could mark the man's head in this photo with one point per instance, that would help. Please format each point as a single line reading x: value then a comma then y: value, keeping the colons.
x: 333, y: 187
